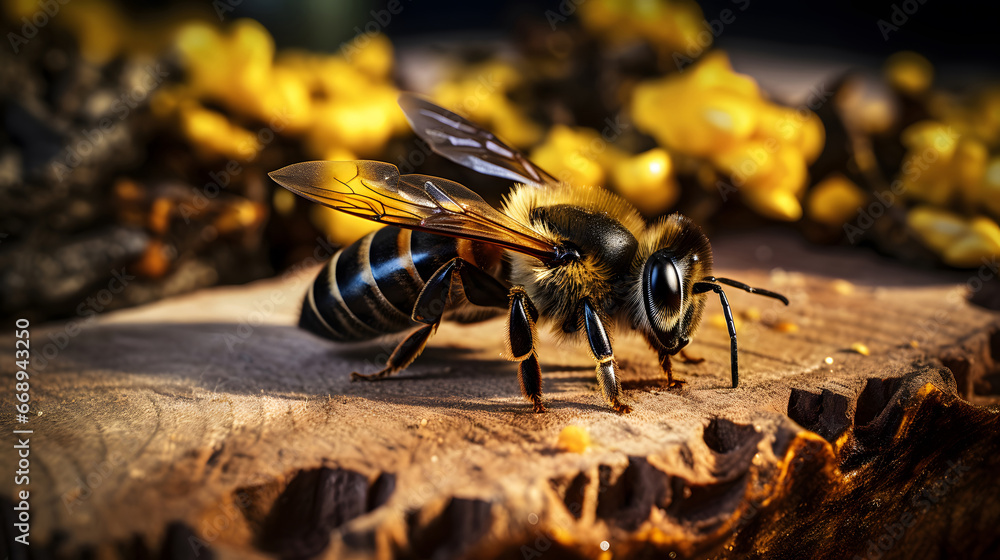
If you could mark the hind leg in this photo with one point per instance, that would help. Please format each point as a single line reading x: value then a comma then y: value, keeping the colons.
x: 688, y: 359
x: 404, y: 354
x: 480, y: 289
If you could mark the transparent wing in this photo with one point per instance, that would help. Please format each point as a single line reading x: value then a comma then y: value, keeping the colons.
x: 376, y: 191
x: 467, y: 144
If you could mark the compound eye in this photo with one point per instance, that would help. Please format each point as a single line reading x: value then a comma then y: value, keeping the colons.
x: 663, y: 284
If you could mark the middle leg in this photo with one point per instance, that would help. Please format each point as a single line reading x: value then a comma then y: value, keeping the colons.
x: 521, y: 342
x: 607, y: 367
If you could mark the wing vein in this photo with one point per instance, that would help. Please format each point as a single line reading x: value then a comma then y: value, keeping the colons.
x: 376, y: 191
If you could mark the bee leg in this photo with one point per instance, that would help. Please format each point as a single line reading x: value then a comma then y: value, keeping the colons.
x: 668, y: 369
x: 402, y: 356
x: 607, y: 367
x: 688, y: 359
x: 702, y: 287
x: 480, y: 289
x: 521, y: 337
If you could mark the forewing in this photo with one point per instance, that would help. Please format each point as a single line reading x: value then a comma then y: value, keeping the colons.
x: 376, y: 191
x: 467, y: 144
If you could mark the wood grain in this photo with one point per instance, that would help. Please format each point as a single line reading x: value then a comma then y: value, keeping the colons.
x: 209, y: 424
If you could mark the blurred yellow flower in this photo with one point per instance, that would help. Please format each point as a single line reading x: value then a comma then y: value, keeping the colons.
x: 573, y: 439
x: 578, y: 156
x: 835, y: 200
x: 669, y: 25
x: 647, y: 181
x: 215, y: 135
x: 479, y: 93
x: 961, y: 242
x: 339, y: 227
x: 909, y: 72
x: 710, y: 112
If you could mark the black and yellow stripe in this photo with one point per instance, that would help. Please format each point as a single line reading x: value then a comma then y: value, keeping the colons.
x: 368, y: 288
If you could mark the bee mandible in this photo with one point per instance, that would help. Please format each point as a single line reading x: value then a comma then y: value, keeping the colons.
x: 576, y: 257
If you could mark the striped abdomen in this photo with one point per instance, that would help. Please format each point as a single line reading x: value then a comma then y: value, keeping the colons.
x: 368, y: 288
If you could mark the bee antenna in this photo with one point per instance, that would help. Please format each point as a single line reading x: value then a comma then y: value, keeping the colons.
x: 702, y: 287
x: 746, y: 288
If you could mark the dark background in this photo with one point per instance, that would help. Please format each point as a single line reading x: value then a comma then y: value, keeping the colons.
x: 955, y: 36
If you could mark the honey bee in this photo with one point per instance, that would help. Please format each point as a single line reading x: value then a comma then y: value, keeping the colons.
x: 579, y: 258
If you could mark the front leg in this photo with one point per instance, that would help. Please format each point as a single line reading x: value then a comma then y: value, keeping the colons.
x: 607, y: 367
x: 668, y: 368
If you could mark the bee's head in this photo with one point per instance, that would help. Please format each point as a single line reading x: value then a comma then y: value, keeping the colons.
x: 673, y: 255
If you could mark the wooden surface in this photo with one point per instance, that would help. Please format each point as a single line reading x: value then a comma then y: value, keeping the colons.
x: 209, y: 424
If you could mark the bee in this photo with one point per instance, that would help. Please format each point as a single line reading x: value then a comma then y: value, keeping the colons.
x: 578, y: 258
